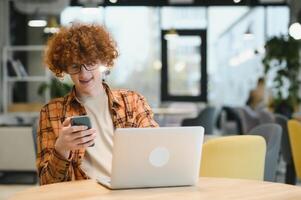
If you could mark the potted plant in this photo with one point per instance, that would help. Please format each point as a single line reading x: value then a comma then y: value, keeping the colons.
x: 57, y: 88
x: 283, y: 59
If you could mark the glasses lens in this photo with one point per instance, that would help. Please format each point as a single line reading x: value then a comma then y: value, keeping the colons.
x: 91, y: 67
x: 73, y: 69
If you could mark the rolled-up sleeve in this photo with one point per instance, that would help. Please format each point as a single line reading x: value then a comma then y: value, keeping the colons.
x: 145, y: 115
x: 51, y: 166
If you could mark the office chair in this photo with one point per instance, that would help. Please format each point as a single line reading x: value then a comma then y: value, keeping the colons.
x: 205, y: 118
x: 272, y: 134
x: 234, y: 157
x: 290, y: 174
x: 294, y: 131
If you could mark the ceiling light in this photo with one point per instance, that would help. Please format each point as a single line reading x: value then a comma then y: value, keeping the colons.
x: 51, y: 30
x: 36, y: 20
x: 113, y: 1
x: 171, y: 34
x: 52, y: 26
x: 236, y: 1
x: 295, y: 31
x: 37, y: 23
x: 248, y: 35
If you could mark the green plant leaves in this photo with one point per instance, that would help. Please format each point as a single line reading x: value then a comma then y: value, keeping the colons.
x: 57, y: 88
x: 282, y: 55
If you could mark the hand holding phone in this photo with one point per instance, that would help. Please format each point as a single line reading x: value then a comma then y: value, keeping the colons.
x: 83, y: 120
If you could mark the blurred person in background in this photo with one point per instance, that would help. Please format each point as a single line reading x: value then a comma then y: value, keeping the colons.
x: 259, y: 98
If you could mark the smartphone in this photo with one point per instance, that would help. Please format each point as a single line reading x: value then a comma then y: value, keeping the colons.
x: 83, y: 120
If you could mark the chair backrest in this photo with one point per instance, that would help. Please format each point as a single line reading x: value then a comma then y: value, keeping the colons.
x: 265, y: 116
x: 34, y: 133
x: 272, y: 134
x: 294, y: 131
x: 234, y: 157
x: 285, y: 143
x: 205, y: 118
x: 229, y: 116
x: 249, y: 118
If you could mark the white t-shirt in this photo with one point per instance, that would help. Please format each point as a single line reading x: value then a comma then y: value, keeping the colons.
x: 97, y: 161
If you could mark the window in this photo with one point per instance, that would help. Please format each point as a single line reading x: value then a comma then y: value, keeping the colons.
x: 183, y: 75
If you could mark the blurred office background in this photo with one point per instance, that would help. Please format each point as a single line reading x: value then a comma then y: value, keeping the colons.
x: 234, y: 35
x: 183, y: 55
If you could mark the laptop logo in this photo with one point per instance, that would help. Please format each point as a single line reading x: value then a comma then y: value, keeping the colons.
x: 159, y: 157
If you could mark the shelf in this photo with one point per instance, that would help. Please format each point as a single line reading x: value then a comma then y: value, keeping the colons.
x: 29, y: 78
x: 24, y: 114
x: 25, y: 107
x: 7, y: 86
x: 25, y: 48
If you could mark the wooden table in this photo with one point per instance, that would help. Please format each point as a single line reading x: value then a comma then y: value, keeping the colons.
x: 207, y: 189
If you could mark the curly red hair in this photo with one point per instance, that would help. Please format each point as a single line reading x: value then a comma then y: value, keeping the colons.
x: 79, y: 44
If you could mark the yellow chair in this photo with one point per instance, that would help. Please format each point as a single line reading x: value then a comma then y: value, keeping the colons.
x: 234, y: 157
x: 294, y: 133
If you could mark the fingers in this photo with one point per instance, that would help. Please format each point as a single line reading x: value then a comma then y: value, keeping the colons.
x: 87, y: 144
x: 67, y: 121
x: 84, y: 133
x: 74, y: 129
x: 84, y: 140
x: 71, y: 130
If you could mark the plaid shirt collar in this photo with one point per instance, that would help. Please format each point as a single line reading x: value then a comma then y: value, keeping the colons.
x: 113, y: 101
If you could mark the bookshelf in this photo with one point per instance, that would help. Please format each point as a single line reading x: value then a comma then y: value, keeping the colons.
x: 11, y: 75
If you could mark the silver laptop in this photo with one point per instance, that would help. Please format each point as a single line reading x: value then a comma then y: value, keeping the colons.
x: 155, y: 157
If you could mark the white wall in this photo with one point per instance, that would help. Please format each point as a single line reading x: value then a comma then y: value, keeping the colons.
x: 35, y: 63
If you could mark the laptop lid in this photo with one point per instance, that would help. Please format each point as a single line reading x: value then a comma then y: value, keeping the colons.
x: 156, y: 157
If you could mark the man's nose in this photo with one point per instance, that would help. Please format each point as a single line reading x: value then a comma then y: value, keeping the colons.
x: 83, y: 71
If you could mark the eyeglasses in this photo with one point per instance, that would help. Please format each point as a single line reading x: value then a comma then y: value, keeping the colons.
x: 75, y: 68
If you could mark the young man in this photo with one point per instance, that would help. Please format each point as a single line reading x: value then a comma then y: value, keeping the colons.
x: 64, y: 151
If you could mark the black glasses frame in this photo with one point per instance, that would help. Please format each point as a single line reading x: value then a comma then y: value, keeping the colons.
x: 79, y: 68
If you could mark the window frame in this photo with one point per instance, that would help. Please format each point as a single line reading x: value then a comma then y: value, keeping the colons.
x: 165, y: 95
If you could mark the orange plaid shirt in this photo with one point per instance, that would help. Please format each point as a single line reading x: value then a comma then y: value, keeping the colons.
x: 128, y: 109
